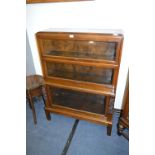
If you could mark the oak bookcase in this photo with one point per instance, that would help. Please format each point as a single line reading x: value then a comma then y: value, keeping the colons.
x: 80, y: 70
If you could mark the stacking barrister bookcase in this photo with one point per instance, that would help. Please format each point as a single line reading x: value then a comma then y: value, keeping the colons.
x: 80, y: 70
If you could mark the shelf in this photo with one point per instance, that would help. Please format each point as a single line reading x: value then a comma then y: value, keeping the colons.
x: 100, y: 89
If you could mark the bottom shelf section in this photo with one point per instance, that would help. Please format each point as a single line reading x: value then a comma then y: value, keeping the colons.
x: 79, y: 105
x: 77, y: 100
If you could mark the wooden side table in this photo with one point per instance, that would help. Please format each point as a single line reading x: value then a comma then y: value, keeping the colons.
x: 34, y: 88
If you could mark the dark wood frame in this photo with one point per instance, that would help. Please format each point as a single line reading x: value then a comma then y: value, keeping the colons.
x: 109, y: 91
x: 49, y: 1
x: 123, y: 122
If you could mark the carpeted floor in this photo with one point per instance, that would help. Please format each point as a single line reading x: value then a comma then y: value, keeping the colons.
x: 50, y: 137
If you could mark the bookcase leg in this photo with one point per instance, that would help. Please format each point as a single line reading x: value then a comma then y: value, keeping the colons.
x: 48, y: 116
x: 29, y: 102
x: 109, y: 129
x: 119, y: 129
x: 44, y: 100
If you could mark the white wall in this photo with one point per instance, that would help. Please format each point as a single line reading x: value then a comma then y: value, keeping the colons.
x: 29, y: 60
x: 101, y: 14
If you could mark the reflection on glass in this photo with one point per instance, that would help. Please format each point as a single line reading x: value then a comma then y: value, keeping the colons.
x: 80, y: 73
x: 80, y: 49
x: 77, y: 100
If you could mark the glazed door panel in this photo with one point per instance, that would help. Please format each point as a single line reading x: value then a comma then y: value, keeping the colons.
x: 80, y: 49
x: 80, y: 73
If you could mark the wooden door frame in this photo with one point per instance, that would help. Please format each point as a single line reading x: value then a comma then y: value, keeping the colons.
x: 48, y: 1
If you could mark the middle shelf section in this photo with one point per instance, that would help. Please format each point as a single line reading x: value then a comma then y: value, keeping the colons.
x: 80, y: 73
x: 76, y: 75
x: 77, y: 100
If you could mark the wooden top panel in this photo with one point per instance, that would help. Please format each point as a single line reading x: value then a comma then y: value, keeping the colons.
x: 77, y: 30
x: 48, y: 1
x: 82, y: 34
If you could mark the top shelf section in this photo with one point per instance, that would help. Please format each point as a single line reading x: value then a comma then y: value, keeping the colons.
x: 79, y: 49
x: 83, y: 45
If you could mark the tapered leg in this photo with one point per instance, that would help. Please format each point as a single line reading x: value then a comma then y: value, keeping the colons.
x: 43, y: 99
x: 33, y: 109
x: 27, y: 99
x: 48, y: 116
x: 109, y: 129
